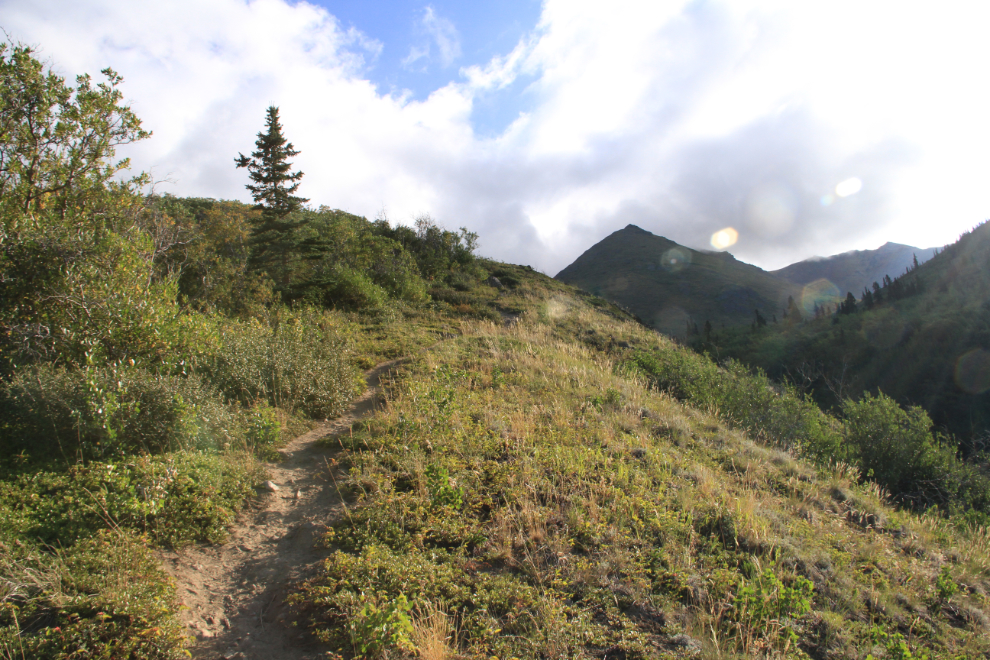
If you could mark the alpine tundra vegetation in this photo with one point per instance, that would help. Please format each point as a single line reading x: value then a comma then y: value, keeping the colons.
x: 543, y: 476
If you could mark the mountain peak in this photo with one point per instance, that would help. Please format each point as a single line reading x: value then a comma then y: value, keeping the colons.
x: 673, y: 287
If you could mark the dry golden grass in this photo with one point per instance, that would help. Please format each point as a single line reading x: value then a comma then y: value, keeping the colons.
x: 434, y: 633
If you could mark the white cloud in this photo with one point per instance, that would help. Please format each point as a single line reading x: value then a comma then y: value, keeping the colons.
x: 681, y: 117
x: 439, y: 32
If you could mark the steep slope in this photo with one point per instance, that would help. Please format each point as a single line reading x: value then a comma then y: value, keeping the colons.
x: 669, y: 285
x: 521, y: 493
x: 855, y: 270
x: 928, y: 349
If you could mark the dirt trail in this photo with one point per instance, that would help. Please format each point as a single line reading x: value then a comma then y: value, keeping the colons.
x: 235, y: 592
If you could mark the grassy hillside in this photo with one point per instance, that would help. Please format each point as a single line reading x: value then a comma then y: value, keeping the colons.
x: 670, y: 286
x: 542, y: 481
x: 528, y: 490
x: 856, y: 270
x: 928, y: 349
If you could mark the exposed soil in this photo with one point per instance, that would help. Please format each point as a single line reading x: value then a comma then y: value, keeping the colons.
x: 233, y: 595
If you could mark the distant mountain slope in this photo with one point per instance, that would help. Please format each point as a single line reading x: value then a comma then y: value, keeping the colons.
x: 668, y: 285
x: 852, y: 271
x: 927, y: 345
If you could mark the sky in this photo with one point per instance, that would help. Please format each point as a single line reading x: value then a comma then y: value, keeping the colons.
x: 805, y: 128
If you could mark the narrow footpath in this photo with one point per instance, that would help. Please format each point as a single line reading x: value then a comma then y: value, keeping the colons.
x: 233, y: 595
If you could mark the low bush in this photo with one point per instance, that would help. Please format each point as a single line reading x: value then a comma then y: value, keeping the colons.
x: 105, y: 412
x: 344, y: 287
x: 890, y: 445
x: 497, y: 613
x: 174, y: 499
x: 896, y: 448
x: 300, y: 363
x: 774, y: 414
x: 105, y: 598
x: 764, y: 610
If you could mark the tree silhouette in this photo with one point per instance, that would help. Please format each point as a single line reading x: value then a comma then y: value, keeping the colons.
x: 792, y: 314
x: 273, y: 235
x: 849, y: 306
x: 867, y: 298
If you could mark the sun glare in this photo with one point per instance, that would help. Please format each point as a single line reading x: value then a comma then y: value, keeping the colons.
x: 724, y: 238
x: 850, y: 186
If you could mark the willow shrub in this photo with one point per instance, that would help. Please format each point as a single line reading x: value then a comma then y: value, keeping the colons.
x: 890, y: 445
x: 774, y: 414
x: 299, y: 363
x: 109, y: 411
x: 896, y: 448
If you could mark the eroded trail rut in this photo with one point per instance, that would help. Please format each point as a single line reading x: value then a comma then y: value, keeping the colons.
x: 233, y: 595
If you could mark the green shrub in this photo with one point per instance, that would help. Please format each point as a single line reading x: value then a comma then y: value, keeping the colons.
x: 893, y: 446
x: 611, y: 399
x: 109, y: 411
x: 442, y: 492
x: 890, y: 445
x: 105, y: 598
x: 498, y: 613
x: 264, y: 431
x: 349, y: 288
x: 174, y: 499
x: 299, y: 364
x: 896, y: 448
x: 376, y: 630
x: 776, y: 415
x: 896, y: 646
x: 763, y: 610
x: 439, y: 253
x: 945, y: 586
x: 391, y: 267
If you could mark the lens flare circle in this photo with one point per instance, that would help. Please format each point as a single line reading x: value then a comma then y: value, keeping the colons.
x: 771, y: 209
x: 617, y: 284
x: 675, y: 260
x: 850, y: 186
x: 972, y: 372
x: 724, y: 238
x: 818, y: 293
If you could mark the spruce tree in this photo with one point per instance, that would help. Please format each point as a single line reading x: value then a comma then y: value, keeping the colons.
x: 792, y: 314
x: 273, y: 236
x: 867, y: 298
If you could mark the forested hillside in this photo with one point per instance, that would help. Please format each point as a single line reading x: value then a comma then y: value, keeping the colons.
x: 921, y: 338
x: 544, y: 476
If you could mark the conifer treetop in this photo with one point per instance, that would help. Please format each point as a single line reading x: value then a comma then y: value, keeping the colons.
x: 269, y: 169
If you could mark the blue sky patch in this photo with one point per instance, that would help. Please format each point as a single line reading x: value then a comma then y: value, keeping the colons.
x: 424, y: 46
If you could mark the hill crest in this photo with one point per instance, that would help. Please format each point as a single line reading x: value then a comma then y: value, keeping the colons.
x: 676, y: 288
x: 855, y: 270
